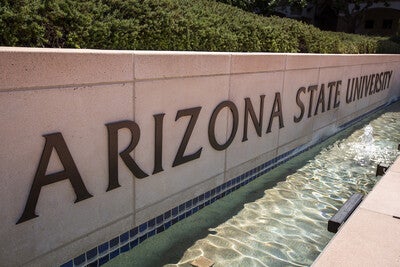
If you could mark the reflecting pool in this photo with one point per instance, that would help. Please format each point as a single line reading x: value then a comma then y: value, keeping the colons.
x: 280, y: 219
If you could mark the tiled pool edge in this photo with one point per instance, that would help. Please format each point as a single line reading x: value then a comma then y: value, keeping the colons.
x: 106, y: 251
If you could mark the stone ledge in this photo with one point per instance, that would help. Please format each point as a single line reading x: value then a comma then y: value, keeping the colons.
x: 370, y: 236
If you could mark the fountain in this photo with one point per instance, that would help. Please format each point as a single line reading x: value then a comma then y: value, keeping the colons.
x: 287, y: 223
x: 365, y: 149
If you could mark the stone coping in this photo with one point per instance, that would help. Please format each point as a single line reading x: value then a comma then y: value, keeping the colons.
x: 371, y: 236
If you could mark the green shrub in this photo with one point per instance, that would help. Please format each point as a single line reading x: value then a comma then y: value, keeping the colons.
x: 201, y: 25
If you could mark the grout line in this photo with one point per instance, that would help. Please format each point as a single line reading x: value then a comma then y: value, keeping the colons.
x: 283, y: 95
x: 62, y: 86
x: 134, y: 151
x: 227, y: 115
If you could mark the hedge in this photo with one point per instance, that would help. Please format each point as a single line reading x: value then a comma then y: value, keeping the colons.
x: 201, y: 25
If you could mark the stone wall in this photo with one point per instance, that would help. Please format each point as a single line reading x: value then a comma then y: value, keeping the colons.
x: 103, y: 149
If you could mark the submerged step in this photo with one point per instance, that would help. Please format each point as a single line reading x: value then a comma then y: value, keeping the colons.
x: 202, y: 262
x: 344, y: 212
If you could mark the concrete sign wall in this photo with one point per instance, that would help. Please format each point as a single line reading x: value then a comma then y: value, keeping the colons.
x: 103, y: 149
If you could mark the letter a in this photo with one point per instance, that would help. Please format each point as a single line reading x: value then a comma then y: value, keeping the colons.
x: 70, y: 173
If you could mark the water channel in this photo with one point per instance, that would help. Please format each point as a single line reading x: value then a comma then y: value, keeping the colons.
x: 280, y: 219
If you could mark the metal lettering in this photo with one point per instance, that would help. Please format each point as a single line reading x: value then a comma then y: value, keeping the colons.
x: 112, y: 129
x: 211, y: 126
x: 248, y: 109
x: 180, y: 158
x: 70, y: 172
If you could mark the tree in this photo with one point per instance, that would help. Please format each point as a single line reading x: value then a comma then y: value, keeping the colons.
x: 263, y: 7
x: 247, y: 5
x: 351, y: 11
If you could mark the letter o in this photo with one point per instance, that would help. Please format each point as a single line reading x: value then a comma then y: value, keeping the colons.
x: 211, y: 125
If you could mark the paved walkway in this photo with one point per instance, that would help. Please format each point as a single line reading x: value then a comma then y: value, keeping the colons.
x: 371, y: 236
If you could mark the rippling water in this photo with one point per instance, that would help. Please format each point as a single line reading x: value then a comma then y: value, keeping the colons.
x: 284, y: 225
x: 287, y: 226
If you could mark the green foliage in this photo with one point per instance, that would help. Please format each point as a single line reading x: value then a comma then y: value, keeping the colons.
x: 265, y: 7
x: 395, y: 38
x: 248, y: 5
x: 201, y: 25
x: 385, y: 45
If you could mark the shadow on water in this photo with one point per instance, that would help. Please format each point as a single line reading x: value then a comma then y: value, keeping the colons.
x: 169, y: 246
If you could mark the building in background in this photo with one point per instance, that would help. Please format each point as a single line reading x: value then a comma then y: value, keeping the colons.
x: 377, y: 19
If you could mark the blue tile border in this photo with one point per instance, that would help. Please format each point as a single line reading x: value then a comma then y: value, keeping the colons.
x: 130, y: 239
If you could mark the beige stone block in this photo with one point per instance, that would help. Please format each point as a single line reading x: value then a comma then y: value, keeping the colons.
x: 336, y: 60
x: 302, y: 61
x: 354, y: 59
x: 360, y: 105
x: 36, y: 68
x: 294, y: 144
x: 388, y: 58
x: 257, y: 62
x: 310, y: 61
x: 324, y: 111
x: 356, y: 114
x: 324, y: 132
x: 378, y: 58
x: 305, y: 61
x: 81, y: 245
x: 367, y: 59
x: 158, y: 65
x: 344, y: 120
x: 294, y: 80
x: 249, y: 165
x: 377, y: 104
x: 170, y: 96
x: 80, y: 115
x: 362, y: 112
x: 367, y: 239
x: 154, y: 210
x: 395, y: 167
x: 347, y: 109
x: 254, y: 86
x: 374, y: 69
x: 394, y: 90
x: 385, y: 197
x: 324, y: 119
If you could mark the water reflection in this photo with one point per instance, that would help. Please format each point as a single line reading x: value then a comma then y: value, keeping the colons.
x: 287, y: 226
x: 279, y: 219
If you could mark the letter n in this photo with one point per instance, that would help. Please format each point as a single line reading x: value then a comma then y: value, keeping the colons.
x: 70, y: 172
x: 277, y: 112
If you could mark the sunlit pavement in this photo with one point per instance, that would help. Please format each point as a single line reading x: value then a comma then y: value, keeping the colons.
x: 371, y: 236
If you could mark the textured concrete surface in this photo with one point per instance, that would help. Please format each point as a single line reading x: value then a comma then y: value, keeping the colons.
x: 78, y: 92
x: 371, y: 236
